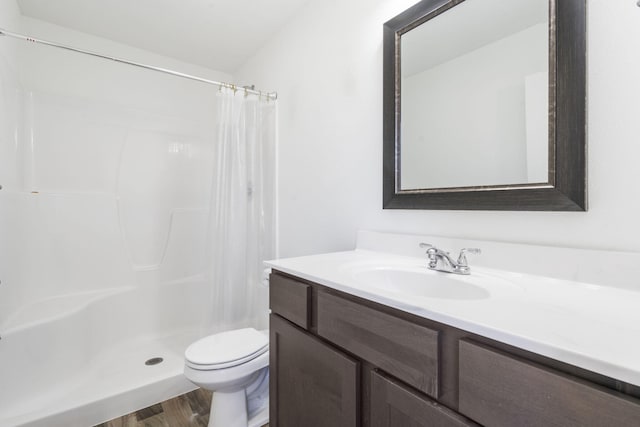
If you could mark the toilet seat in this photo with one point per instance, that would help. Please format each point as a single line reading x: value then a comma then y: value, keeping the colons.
x: 226, y: 349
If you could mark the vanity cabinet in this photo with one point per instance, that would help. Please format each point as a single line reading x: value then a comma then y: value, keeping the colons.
x: 340, y: 360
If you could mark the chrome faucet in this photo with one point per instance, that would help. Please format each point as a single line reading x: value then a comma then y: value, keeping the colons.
x: 440, y: 260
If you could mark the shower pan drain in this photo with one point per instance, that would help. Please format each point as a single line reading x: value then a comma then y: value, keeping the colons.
x: 153, y: 361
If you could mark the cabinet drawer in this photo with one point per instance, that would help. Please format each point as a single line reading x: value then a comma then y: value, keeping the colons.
x: 401, y: 348
x: 393, y: 405
x: 290, y: 299
x: 497, y: 389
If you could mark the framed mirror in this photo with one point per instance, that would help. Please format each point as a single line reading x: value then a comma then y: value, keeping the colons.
x: 485, y: 106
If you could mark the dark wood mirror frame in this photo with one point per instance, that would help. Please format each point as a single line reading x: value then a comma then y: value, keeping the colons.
x: 566, y: 189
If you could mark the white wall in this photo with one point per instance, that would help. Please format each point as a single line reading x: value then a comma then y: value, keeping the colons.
x: 9, y: 15
x: 327, y: 67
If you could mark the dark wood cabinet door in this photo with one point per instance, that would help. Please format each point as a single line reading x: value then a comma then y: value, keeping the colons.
x: 395, y: 405
x: 311, y: 383
x: 501, y: 390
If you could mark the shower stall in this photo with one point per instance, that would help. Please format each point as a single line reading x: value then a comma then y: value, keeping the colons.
x: 136, y: 208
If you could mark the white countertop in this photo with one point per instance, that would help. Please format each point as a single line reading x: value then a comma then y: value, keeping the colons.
x: 587, y: 325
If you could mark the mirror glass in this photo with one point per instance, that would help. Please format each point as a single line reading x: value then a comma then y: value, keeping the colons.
x: 474, y: 97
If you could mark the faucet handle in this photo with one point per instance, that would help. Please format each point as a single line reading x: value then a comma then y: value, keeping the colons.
x: 431, y: 254
x: 462, y: 258
x: 431, y: 250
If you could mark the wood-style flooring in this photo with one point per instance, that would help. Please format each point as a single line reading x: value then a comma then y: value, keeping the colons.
x: 189, y: 410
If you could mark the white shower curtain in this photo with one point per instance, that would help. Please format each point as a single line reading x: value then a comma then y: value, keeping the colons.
x: 241, y: 231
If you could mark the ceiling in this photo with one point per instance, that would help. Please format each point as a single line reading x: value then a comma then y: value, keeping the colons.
x: 217, y: 34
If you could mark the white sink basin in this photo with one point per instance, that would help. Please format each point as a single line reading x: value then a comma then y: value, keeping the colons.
x: 421, y: 282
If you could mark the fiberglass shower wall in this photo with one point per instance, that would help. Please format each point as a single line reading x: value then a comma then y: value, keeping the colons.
x: 10, y: 175
x: 107, y: 172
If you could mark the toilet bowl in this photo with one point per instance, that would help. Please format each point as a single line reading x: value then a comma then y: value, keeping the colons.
x: 235, y: 366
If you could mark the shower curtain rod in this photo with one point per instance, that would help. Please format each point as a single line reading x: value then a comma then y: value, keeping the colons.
x: 246, y: 90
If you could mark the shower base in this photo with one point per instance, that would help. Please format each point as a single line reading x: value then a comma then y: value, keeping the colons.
x: 118, y: 382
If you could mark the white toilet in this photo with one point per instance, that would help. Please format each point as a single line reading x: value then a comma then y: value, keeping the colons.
x: 235, y: 366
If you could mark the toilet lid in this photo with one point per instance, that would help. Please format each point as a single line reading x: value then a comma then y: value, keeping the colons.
x: 227, y: 348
